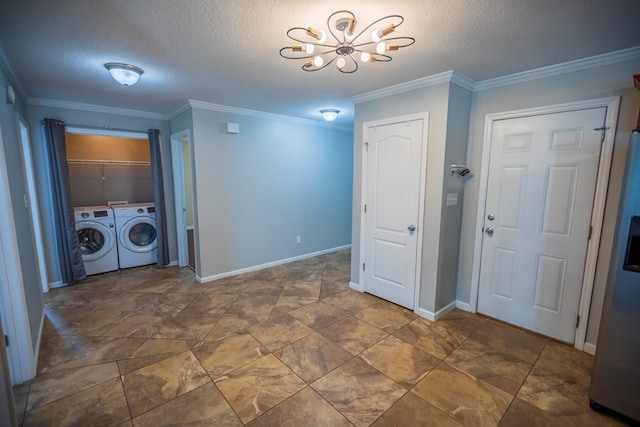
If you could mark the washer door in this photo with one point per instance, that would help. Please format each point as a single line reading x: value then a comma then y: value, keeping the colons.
x: 139, y: 234
x: 96, y: 239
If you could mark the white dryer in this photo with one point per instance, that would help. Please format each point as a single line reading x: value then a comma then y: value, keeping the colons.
x: 97, y: 235
x: 136, y: 230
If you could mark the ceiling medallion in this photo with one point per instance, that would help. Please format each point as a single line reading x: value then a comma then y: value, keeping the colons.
x: 312, y: 45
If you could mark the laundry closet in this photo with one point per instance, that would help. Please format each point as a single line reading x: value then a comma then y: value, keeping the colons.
x: 111, y: 186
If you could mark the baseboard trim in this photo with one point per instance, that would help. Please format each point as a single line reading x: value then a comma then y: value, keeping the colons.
x: 269, y: 264
x: 464, y: 306
x: 589, y: 348
x: 429, y: 315
x: 57, y: 284
x: 356, y: 287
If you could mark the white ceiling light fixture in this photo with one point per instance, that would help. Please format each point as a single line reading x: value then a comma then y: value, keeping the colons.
x: 125, y: 74
x: 312, y: 45
x: 329, y: 114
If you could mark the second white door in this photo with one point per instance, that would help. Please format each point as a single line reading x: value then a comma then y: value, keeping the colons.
x: 394, y: 161
x: 541, y: 188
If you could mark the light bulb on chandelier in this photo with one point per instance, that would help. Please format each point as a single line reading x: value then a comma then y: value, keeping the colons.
x: 312, y: 45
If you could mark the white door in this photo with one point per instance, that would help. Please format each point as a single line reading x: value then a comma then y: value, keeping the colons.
x: 394, y: 161
x: 540, y: 194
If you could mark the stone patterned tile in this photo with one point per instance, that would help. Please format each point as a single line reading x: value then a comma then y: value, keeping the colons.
x: 55, y: 385
x: 305, y: 275
x: 493, y: 366
x: 352, y: 301
x: 511, y: 340
x: 137, y: 325
x: 352, y: 334
x: 287, y: 304
x: 187, y: 326
x: 400, y: 361
x: 462, y: 322
x: 91, y: 323
x: 302, y: 289
x: 469, y: 400
x: 101, y: 405
x: 129, y: 301
x: 101, y: 350
x: 358, y: 391
x: 329, y: 289
x: 56, y: 349
x: 153, y: 351
x: 204, y: 406
x: 280, y: 331
x: 318, y: 315
x: 521, y: 410
x: 304, y: 408
x: 229, y: 325
x: 222, y: 356
x: 161, y: 382
x: 259, y: 386
x: 412, y: 408
x: 430, y: 337
x: 276, y: 273
x: 233, y: 285
x: 211, y: 303
x: 262, y: 287
x: 252, y: 306
x: 167, y: 303
x: 386, y: 316
x: 312, y: 356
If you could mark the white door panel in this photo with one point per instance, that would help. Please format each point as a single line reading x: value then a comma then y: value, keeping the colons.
x: 392, y: 199
x: 540, y: 194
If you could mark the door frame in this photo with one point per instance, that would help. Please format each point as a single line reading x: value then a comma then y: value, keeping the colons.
x: 424, y: 116
x: 179, y: 196
x: 32, y: 197
x: 597, y: 215
x: 20, y: 352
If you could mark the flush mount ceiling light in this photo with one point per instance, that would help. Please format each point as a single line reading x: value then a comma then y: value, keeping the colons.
x: 312, y: 45
x: 329, y: 114
x: 125, y: 74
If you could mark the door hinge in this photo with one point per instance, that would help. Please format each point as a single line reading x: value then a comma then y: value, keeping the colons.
x: 363, y: 266
x: 602, y: 129
x: 365, y: 208
x: 590, y: 232
x: 578, y: 321
x: 6, y: 341
x: 366, y: 146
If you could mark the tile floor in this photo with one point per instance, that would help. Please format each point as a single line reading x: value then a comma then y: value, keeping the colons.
x: 290, y: 345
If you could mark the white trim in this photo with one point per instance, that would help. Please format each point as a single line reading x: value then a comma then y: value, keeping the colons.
x: 590, y: 348
x: 56, y: 284
x: 78, y: 130
x: 424, y: 82
x: 270, y: 264
x: 44, y: 102
x: 355, y: 287
x: 612, y: 104
x: 464, y: 306
x: 260, y: 114
x: 179, y: 194
x: 438, y: 314
x: 32, y: 194
x: 424, y: 116
x: 22, y: 362
x: 5, y: 64
x: 173, y: 263
x: 562, y: 68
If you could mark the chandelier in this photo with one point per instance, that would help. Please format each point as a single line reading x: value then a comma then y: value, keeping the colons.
x: 318, y: 52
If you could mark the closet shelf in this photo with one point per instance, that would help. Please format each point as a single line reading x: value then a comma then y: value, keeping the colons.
x: 110, y: 162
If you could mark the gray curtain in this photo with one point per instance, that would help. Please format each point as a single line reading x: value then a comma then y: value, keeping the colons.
x: 69, y: 255
x: 158, y: 197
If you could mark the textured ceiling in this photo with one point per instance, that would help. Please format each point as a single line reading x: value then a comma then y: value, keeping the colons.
x: 226, y: 52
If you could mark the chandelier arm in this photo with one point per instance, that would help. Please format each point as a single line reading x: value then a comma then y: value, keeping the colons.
x: 409, y: 40
x: 368, y: 27
x: 287, y: 48
x: 304, y: 41
x: 354, y: 63
x: 329, y: 23
x: 322, y: 66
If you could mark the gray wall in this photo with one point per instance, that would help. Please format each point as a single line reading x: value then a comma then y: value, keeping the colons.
x: 600, y: 82
x: 258, y: 190
x: 35, y: 114
x: 21, y: 215
x: 438, y: 275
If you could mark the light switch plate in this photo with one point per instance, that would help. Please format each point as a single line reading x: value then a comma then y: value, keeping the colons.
x: 452, y: 199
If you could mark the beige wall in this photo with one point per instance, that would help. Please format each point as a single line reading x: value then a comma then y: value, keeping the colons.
x: 605, y: 81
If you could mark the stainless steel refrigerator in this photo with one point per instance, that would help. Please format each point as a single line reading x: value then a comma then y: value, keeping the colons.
x: 615, y: 383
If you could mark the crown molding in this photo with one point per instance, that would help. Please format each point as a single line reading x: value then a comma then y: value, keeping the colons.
x: 5, y: 64
x: 563, y: 68
x: 43, y: 102
x: 436, y: 79
x: 260, y: 114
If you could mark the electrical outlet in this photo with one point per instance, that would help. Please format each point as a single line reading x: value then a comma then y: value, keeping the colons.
x: 299, y: 239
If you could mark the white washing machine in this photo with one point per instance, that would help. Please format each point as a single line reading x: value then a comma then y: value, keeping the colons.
x: 96, y: 230
x: 136, y: 230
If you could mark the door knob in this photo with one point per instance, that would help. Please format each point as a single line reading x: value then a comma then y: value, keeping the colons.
x: 489, y: 231
x: 411, y: 228
x: 491, y: 217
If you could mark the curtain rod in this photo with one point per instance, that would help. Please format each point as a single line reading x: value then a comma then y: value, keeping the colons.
x: 107, y: 128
